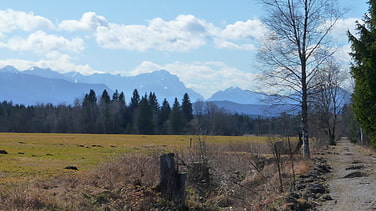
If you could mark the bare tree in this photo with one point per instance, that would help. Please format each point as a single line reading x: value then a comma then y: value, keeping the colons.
x: 329, y: 99
x: 295, y: 48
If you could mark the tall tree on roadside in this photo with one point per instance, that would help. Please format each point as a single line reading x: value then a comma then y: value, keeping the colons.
x: 363, y: 70
x: 329, y: 99
x: 294, y: 49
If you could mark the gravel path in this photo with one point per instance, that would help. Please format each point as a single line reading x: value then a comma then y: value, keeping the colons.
x: 352, y: 182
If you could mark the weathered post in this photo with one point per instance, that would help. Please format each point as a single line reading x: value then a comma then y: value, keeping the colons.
x: 172, y: 183
x: 278, y: 145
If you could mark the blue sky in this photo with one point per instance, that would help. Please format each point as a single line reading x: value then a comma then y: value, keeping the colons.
x: 210, y: 45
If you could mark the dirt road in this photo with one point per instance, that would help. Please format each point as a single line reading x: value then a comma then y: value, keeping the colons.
x: 352, y: 182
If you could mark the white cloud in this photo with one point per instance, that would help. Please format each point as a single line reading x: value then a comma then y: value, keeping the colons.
x: 248, y: 30
x: 342, y: 54
x: 40, y: 42
x: 204, y: 77
x: 231, y: 45
x: 11, y: 20
x: 339, y: 31
x: 89, y: 21
x: 184, y: 33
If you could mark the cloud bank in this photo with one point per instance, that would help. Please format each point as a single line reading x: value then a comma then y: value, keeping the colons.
x: 59, y: 45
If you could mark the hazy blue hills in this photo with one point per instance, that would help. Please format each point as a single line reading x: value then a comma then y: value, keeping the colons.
x: 240, y: 96
x: 164, y: 84
x: 27, y: 89
x: 38, y: 85
x: 240, y: 101
x: 41, y: 86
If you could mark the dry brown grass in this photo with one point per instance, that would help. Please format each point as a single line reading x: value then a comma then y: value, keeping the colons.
x: 241, y: 176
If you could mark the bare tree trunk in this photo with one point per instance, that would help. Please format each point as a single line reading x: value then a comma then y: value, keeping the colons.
x: 306, y: 151
x: 172, y: 184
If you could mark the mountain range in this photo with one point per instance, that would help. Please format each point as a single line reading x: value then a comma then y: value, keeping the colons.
x: 42, y: 86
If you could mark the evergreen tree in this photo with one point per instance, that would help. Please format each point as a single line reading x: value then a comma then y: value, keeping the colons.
x: 90, y: 99
x: 131, y: 112
x: 363, y: 70
x: 89, y: 114
x: 122, y: 99
x: 187, y: 108
x: 115, y: 96
x: 135, y: 100
x: 176, y: 118
x: 144, y: 121
x: 117, y: 111
x: 164, y: 116
x: 153, y: 101
x: 104, y: 107
x: 154, y: 105
x: 105, y: 98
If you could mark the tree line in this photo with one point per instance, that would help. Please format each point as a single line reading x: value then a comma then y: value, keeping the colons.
x: 142, y: 115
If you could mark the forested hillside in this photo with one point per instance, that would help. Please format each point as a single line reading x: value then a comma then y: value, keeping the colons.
x: 142, y: 115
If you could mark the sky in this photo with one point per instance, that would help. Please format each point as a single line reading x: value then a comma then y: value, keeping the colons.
x: 210, y: 45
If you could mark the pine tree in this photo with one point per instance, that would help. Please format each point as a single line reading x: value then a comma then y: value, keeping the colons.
x: 122, y: 99
x: 115, y: 96
x: 144, y: 121
x: 164, y: 116
x: 89, y: 114
x: 363, y: 70
x: 187, y: 108
x: 104, y: 108
x: 135, y: 100
x: 154, y: 106
x: 176, y: 118
x: 131, y: 111
x: 105, y: 98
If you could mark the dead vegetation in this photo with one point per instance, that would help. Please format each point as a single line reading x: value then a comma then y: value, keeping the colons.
x: 238, y: 175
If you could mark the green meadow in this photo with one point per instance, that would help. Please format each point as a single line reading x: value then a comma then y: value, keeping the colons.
x: 36, y: 155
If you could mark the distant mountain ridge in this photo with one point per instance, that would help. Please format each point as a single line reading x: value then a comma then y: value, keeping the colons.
x: 240, y: 96
x: 38, y: 85
x: 41, y: 86
x: 22, y: 88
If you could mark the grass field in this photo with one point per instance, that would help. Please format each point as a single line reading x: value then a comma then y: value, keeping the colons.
x: 33, y: 156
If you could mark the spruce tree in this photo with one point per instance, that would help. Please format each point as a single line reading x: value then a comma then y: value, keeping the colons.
x: 122, y: 99
x: 176, y: 118
x: 105, y: 98
x: 144, y: 121
x: 89, y: 114
x: 187, y: 108
x: 135, y: 100
x: 363, y: 70
x: 115, y: 96
x: 154, y: 106
x: 164, y: 116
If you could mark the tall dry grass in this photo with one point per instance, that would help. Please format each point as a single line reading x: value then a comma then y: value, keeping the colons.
x: 241, y: 175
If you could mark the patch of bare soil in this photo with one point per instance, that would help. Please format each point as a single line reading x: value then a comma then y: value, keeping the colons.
x: 352, y: 181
